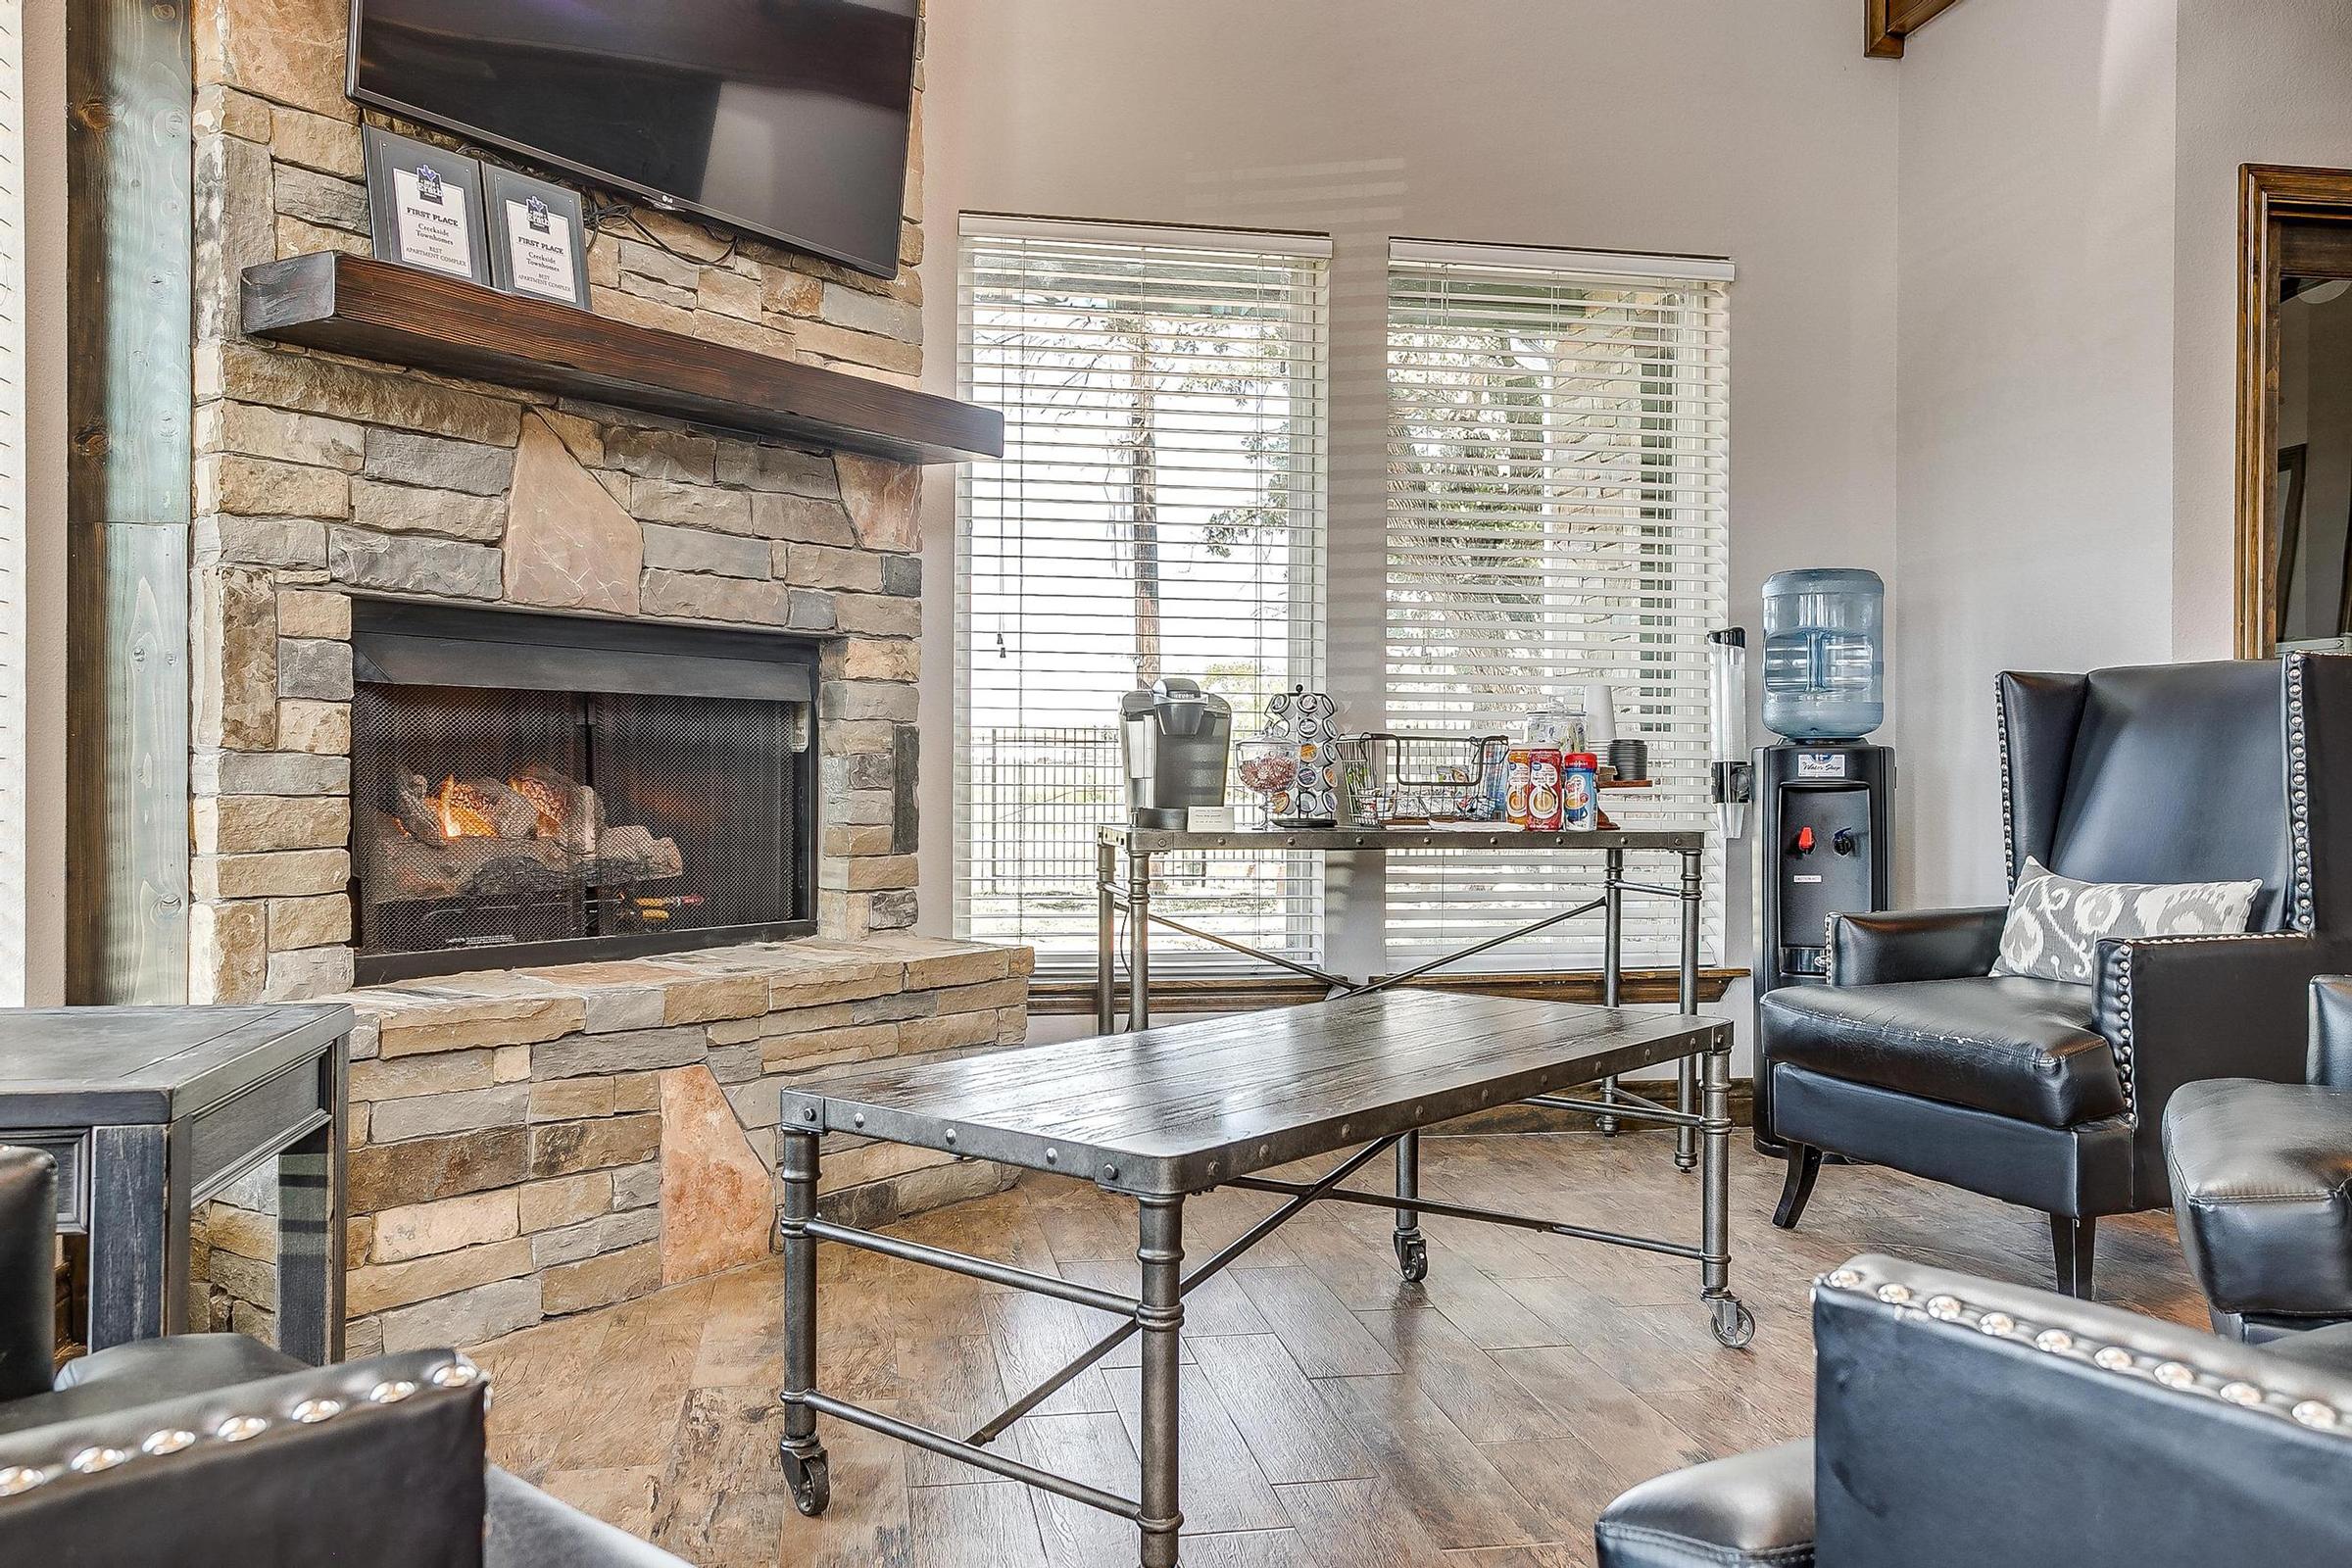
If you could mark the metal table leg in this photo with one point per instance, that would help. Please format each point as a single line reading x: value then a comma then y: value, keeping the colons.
x: 1107, y: 939
x: 1732, y: 1323
x: 804, y: 1467
x: 1412, y: 1250
x: 1612, y: 962
x: 1138, y: 939
x: 1685, y: 1095
x: 1159, y: 1249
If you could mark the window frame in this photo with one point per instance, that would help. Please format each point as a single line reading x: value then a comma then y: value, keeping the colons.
x: 1564, y: 878
x: 1354, y: 653
x: 1299, y: 880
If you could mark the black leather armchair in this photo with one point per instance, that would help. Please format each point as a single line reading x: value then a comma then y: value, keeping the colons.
x: 213, y: 1448
x: 2052, y: 1095
x: 2262, y: 1185
x: 1958, y: 1422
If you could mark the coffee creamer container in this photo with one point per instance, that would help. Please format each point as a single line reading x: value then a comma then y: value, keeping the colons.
x: 1544, y: 802
x: 1580, y: 791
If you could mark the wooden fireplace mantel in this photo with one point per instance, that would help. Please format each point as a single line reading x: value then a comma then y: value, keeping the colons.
x: 376, y: 309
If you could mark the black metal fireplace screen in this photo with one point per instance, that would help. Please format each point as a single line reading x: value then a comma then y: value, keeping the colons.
x: 540, y: 789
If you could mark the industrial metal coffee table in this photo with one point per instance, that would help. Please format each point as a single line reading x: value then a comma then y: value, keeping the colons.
x: 1164, y: 1113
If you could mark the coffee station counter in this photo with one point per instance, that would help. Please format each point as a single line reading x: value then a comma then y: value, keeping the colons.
x: 1464, y: 836
x: 1123, y: 857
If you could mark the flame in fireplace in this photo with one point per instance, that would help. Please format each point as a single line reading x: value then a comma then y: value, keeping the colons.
x: 462, y: 815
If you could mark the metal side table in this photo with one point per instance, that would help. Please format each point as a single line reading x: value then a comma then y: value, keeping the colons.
x: 1123, y: 857
x: 150, y: 1111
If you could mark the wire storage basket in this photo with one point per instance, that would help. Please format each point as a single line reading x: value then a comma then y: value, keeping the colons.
x: 1394, y: 776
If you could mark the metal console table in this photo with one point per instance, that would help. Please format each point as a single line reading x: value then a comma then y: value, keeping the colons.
x: 1159, y: 1116
x: 150, y: 1110
x: 1123, y: 882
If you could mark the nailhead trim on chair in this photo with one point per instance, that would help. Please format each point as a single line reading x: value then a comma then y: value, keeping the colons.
x: 2298, y: 791
x: 2119, y: 959
x: 2120, y: 984
x: 16, y: 1480
x: 2178, y: 1376
x: 2000, y: 710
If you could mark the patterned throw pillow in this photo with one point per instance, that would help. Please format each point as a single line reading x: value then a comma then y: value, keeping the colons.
x: 2055, y: 924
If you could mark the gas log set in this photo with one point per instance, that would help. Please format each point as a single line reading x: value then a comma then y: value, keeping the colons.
x: 533, y: 836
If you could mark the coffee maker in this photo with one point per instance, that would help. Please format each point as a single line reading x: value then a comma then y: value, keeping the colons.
x: 1176, y: 738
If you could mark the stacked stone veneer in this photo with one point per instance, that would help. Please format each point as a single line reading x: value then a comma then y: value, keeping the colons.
x: 526, y: 1144
x: 529, y: 1143
x: 318, y: 477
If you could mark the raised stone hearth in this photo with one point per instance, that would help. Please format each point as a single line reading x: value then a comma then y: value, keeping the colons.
x: 530, y: 1144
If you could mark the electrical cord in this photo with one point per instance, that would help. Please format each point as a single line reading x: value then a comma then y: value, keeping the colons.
x: 608, y: 214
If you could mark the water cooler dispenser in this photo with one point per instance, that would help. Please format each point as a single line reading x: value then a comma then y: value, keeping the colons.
x: 1823, y: 796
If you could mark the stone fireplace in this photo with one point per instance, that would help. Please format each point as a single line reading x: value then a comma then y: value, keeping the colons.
x: 381, y: 490
x: 593, y: 911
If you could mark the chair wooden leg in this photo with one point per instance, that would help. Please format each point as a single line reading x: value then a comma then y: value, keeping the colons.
x: 1805, y: 1167
x: 2072, y: 1244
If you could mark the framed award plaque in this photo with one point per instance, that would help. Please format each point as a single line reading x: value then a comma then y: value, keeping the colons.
x: 538, y: 242
x: 425, y: 206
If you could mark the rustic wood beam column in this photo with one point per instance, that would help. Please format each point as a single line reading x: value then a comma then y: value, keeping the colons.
x: 130, y: 388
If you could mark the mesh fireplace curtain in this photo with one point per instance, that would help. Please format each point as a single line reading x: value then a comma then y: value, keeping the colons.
x: 530, y: 787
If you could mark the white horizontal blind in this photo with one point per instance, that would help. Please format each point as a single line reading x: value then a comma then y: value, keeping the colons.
x: 1159, y: 512
x: 14, y: 760
x: 1557, y: 464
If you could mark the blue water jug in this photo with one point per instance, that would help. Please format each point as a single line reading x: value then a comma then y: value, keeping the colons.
x: 1824, y: 671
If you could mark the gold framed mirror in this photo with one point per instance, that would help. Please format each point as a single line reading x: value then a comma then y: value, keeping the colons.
x: 2295, y: 409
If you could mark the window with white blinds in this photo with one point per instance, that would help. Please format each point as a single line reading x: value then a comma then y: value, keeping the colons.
x: 12, y: 759
x: 1557, y: 469
x: 1159, y: 512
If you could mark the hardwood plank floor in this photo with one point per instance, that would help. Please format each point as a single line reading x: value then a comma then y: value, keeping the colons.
x: 1346, y: 1419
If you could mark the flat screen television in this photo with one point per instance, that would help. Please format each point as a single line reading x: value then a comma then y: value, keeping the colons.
x: 784, y: 118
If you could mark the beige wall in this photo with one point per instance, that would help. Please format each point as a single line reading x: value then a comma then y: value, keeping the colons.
x: 2034, y: 368
x: 1755, y: 131
x: 2069, y: 198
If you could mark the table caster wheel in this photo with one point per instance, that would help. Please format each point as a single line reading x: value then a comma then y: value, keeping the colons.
x: 810, y: 1481
x: 1734, y: 1324
x: 1412, y: 1257
x: 1606, y: 1125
